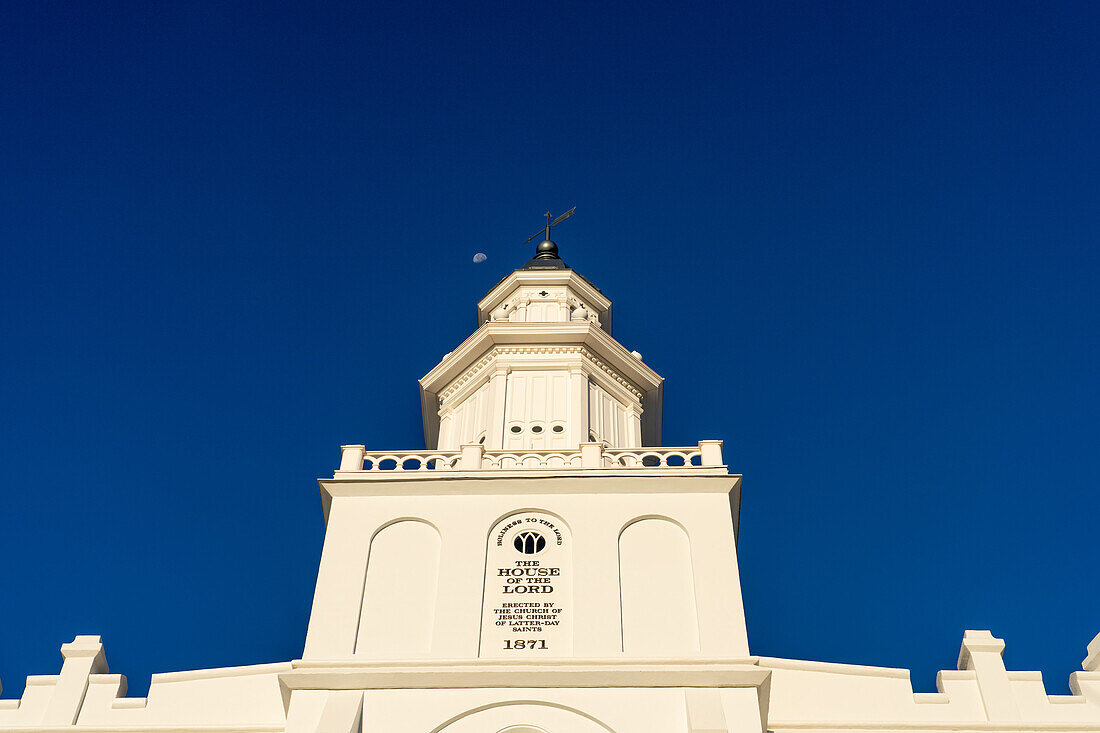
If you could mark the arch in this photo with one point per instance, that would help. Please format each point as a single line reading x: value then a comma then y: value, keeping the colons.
x: 657, y: 588
x: 397, y: 614
x: 392, y: 522
x: 643, y: 517
x: 527, y: 596
x: 524, y: 510
x: 482, y: 718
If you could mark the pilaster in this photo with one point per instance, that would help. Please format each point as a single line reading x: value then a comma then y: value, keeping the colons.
x: 498, y: 390
x: 578, y: 406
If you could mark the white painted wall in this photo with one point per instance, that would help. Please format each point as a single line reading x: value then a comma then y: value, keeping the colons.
x: 594, y: 521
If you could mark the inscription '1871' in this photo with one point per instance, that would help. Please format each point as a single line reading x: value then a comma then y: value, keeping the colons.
x: 528, y: 588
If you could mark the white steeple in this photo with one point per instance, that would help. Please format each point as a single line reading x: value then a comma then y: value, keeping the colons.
x: 542, y: 371
x: 534, y: 525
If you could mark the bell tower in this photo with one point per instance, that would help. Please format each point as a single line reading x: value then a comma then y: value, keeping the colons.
x: 543, y: 546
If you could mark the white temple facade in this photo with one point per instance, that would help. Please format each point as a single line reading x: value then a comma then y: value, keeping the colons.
x: 543, y: 566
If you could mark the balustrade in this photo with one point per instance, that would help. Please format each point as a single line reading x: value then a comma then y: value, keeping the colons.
x: 706, y: 455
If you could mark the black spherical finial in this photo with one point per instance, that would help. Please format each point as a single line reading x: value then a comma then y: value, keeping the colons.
x: 546, y: 250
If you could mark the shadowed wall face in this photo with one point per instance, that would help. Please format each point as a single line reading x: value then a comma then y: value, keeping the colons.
x: 399, y: 595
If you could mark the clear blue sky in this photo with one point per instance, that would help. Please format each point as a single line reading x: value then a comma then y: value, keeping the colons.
x: 858, y: 241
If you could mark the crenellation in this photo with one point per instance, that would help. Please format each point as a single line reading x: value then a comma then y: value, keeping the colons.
x: 105, y: 691
x: 804, y: 692
x: 31, y: 706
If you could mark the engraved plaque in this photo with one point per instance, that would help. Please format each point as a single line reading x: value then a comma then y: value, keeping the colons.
x: 527, y: 607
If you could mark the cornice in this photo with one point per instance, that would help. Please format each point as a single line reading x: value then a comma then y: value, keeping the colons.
x: 576, y: 673
x: 608, y: 355
x: 548, y: 482
x: 496, y: 352
x: 611, y: 373
x: 604, y: 349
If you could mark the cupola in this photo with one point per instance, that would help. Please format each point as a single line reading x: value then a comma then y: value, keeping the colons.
x: 542, y: 371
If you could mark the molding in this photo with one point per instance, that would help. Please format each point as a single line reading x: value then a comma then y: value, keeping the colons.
x: 456, y: 386
x: 446, y: 394
x: 612, y: 373
x: 833, y: 668
x: 569, y: 674
x: 528, y: 482
x: 665, y: 663
x: 539, y: 335
x: 217, y: 672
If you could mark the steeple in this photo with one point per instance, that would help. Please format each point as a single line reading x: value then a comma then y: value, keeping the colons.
x: 542, y: 371
x: 534, y: 525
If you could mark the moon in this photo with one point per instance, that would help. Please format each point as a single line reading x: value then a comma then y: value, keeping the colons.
x: 480, y: 257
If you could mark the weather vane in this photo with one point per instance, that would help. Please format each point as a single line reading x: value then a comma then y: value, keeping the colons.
x: 550, y: 224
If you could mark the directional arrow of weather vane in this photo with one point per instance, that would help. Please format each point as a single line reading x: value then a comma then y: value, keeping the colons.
x: 550, y: 224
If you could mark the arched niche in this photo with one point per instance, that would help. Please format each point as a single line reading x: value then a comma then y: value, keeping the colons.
x: 657, y: 589
x: 399, y: 594
x: 527, y: 607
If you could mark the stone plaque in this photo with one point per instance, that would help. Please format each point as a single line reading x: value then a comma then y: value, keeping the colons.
x: 527, y: 608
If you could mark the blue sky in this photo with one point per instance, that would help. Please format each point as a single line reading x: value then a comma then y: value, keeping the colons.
x: 858, y: 241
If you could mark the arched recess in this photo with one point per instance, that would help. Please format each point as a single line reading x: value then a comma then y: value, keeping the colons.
x: 657, y: 589
x: 515, y: 716
x: 527, y: 601
x: 399, y: 594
